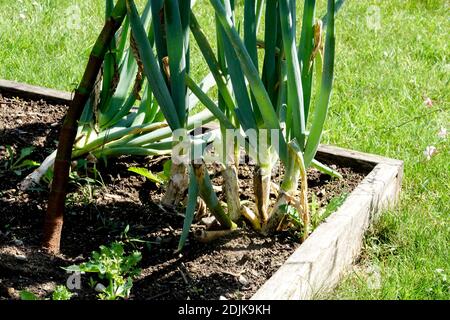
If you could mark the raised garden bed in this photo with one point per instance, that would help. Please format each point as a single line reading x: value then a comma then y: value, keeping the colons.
x: 242, y: 265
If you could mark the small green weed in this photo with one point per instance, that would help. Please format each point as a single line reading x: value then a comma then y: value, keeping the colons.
x: 19, y: 163
x: 60, y: 293
x: 111, y: 264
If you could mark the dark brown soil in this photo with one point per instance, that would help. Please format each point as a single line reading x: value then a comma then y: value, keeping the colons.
x: 233, y: 267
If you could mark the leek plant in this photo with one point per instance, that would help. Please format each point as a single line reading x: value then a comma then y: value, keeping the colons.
x: 276, y: 103
x: 170, y: 89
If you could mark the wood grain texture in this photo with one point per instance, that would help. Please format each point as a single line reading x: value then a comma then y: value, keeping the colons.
x: 319, y: 263
x: 342, y: 155
x: 26, y: 91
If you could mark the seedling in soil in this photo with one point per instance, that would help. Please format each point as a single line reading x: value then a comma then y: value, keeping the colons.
x: 87, y: 180
x: 158, y: 178
x: 319, y: 215
x: 111, y: 264
x: 20, y: 163
x: 294, y: 222
x: 60, y: 293
x: 333, y: 205
x: 133, y: 241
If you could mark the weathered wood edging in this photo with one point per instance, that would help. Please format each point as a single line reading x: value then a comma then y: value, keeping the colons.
x: 13, y: 89
x: 319, y: 263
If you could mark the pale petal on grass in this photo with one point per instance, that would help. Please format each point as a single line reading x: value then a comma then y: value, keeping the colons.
x: 428, y: 102
x: 442, y: 133
x: 429, y: 152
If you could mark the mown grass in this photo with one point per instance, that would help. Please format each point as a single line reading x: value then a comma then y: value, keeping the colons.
x: 382, y: 79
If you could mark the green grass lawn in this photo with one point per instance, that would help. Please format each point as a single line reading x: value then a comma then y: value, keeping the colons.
x: 385, y: 69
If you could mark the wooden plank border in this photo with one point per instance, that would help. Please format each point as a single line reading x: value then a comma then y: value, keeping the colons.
x: 319, y: 263
x: 16, y: 89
